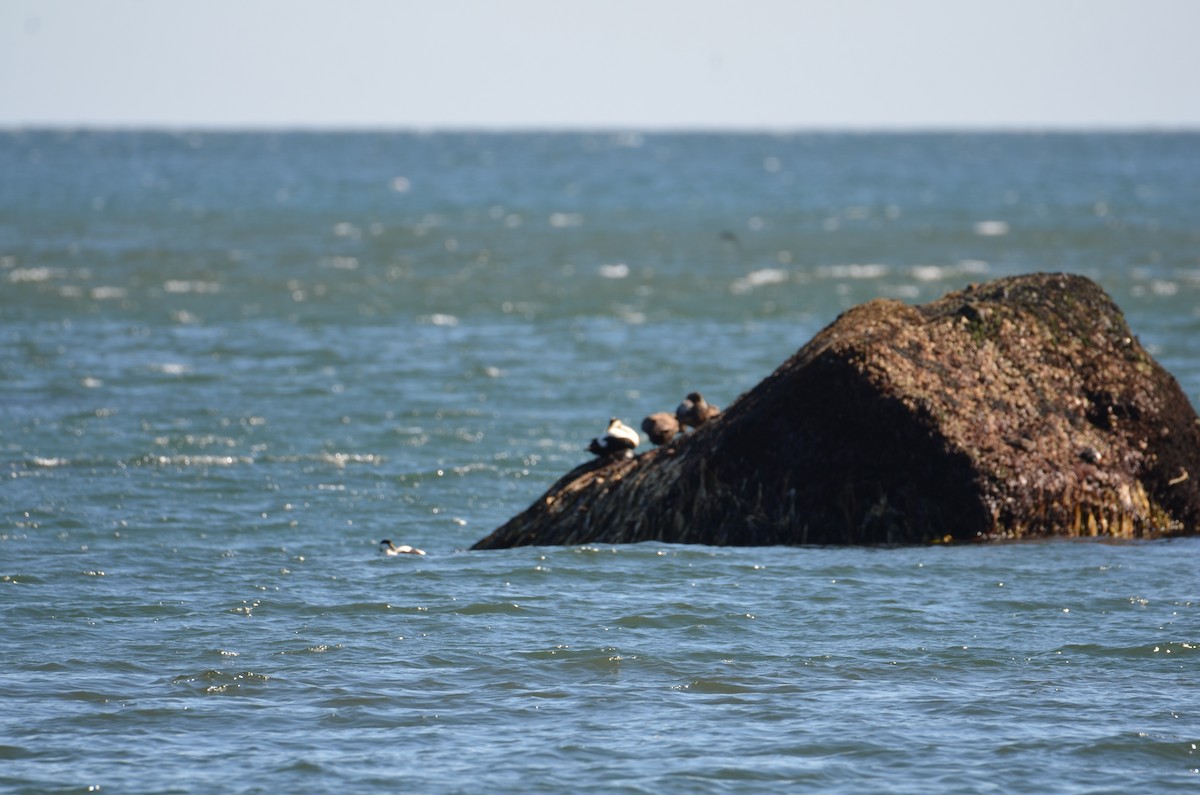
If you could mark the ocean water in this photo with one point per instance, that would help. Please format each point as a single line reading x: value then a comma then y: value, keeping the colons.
x: 232, y: 363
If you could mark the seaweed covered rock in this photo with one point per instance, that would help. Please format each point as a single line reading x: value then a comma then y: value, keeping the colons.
x: 1023, y: 407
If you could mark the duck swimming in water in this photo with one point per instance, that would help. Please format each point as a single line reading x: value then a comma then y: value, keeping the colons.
x: 386, y: 547
x: 619, y: 438
x: 694, y: 411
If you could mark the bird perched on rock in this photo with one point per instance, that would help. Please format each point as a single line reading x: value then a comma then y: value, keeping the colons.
x: 386, y: 547
x: 619, y: 438
x: 661, y: 427
x: 695, y: 410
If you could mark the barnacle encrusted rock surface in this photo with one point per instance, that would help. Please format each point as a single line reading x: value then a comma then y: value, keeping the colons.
x: 1019, y: 408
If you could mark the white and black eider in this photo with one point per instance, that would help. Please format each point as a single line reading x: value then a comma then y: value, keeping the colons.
x: 386, y: 547
x: 619, y: 438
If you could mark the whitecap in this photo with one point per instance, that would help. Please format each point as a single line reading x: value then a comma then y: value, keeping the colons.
x: 617, y: 270
x: 632, y: 316
x: 191, y: 286
x: 108, y: 293
x: 1163, y: 287
x: 991, y: 228
x: 928, y: 273
x: 441, y: 319
x: 759, y: 278
x: 563, y: 220
x: 853, y: 271
x: 40, y: 274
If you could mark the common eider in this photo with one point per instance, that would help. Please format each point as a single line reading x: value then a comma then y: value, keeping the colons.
x: 619, y: 438
x: 661, y: 427
x: 694, y: 411
x: 388, y: 548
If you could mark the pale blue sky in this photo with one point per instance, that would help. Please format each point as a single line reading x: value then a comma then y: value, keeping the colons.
x: 646, y: 64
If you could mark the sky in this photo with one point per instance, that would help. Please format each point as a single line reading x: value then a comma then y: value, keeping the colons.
x: 601, y: 64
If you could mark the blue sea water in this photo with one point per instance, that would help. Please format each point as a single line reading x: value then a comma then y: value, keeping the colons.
x: 232, y: 363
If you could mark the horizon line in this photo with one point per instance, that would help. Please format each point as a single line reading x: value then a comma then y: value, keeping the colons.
x: 598, y: 129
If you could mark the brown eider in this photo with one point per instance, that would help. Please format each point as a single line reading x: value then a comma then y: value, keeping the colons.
x: 661, y: 427
x: 694, y: 411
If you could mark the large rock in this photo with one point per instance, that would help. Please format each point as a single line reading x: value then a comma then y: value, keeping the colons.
x: 1023, y: 407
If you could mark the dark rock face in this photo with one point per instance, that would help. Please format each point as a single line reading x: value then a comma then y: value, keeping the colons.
x: 1019, y: 408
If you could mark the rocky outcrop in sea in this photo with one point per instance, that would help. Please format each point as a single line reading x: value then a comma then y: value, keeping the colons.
x: 1019, y: 408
